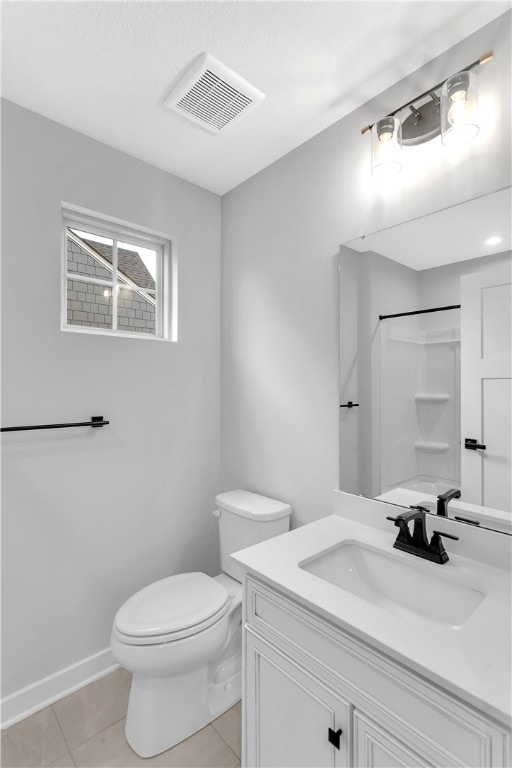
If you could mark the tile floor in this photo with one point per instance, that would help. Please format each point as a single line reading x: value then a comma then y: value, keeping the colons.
x: 86, y: 729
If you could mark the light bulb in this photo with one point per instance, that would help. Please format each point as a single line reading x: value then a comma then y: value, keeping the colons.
x: 493, y: 240
x: 458, y: 95
x: 457, y: 111
x: 457, y: 86
x: 386, y: 128
x: 386, y: 146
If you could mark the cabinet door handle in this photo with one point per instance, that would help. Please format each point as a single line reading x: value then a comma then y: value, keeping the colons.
x: 473, y: 445
x: 334, y: 737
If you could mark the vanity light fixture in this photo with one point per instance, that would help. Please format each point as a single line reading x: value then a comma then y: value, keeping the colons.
x: 448, y: 109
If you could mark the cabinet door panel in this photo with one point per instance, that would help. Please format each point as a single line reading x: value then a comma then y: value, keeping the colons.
x: 376, y: 748
x: 444, y: 731
x: 290, y: 714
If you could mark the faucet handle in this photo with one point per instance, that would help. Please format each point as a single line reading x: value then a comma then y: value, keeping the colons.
x: 446, y: 535
x: 405, y: 517
x: 436, y: 545
x: 403, y: 529
x: 419, y: 508
x: 401, y: 521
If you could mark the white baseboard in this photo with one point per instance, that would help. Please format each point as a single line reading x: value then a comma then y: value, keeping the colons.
x: 39, y: 695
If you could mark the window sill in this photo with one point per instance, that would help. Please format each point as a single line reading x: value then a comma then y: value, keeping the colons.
x: 115, y: 334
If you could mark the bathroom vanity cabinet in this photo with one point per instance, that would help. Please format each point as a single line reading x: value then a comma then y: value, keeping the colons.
x: 317, y: 696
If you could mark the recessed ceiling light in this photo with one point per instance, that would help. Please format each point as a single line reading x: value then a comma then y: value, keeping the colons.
x: 493, y: 240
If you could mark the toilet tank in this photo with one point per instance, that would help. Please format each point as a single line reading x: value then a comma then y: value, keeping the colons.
x: 245, y: 519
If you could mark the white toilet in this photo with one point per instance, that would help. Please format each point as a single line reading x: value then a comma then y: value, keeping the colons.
x: 181, y: 636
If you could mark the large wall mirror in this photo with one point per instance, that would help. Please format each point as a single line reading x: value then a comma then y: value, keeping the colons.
x: 425, y: 363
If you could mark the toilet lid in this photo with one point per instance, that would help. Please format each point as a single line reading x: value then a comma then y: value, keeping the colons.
x: 171, y: 605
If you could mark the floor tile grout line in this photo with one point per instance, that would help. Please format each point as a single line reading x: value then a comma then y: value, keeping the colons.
x: 238, y: 757
x: 95, y: 735
x: 212, y: 723
x: 79, y: 691
x: 68, y: 749
x: 232, y: 751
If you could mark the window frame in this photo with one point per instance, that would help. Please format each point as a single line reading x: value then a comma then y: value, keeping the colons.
x: 165, y: 291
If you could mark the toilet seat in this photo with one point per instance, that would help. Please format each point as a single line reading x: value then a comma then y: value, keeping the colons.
x: 171, y: 609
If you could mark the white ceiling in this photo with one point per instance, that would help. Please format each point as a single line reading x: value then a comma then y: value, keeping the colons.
x: 104, y: 69
x: 445, y: 237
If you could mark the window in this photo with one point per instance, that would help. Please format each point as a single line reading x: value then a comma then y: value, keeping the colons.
x: 116, y: 280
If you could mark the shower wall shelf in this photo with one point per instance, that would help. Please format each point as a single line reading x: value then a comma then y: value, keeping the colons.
x: 422, y: 397
x: 428, y: 446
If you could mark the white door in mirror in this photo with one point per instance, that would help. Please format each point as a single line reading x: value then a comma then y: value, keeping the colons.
x: 486, y: 387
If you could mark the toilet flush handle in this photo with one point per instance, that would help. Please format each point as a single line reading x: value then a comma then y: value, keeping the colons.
x: 216, y: 513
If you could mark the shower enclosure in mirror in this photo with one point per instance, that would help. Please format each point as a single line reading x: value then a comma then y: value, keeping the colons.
x: 425, y: 362
x: 420, y: 402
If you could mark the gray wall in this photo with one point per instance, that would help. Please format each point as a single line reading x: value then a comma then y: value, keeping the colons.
x: 441, y: 286
x: 281, y: 232
x: 90, y: 516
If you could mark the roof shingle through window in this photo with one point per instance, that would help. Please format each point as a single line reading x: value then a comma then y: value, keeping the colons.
x: 129, y: 263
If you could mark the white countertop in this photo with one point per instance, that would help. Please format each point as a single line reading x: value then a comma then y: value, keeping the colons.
x: 472, y: 662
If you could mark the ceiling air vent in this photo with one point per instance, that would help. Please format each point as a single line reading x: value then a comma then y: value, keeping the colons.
x: 212, y: 95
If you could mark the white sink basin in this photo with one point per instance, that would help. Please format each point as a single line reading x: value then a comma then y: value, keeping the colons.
x: 385, y: 579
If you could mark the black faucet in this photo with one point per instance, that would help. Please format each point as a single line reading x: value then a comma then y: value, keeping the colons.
x: 418, y: 544
x: 444, y: 498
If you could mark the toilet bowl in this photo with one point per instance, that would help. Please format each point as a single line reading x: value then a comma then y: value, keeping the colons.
x: 172, y: 668
x: 181, y: 636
